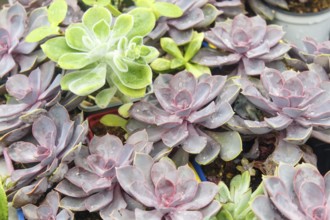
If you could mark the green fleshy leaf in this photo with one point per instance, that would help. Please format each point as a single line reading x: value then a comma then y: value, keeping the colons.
x: 114, y: 11
x: 57, y: 12
x: 74, y: 60
x: 224, y: 195
x: 197, y: 70
x: 123, y: 25
x: 231, y: 144
x: 97, y: 2
x: 138, y: 76
x: 144, y: 22
x: 169, y: 46
x: 75, y: 35
x: 148, y: 53
x: 134, y: 93
x: 224, y: 215
x: 104, y: 97
x: 120, y: 64
x: 144, y: 3
x: 102, y: 30
x: 84, y: 82
x: 40, y: 33
x: 177, y: 63
x: 56, y: 47
x: 114, y: 121
x: 123, y: 110
x: 168, y: 9
x: 161, y: 65
x: 95, y: 14
x: 3, y: 202
x: 194, y: 46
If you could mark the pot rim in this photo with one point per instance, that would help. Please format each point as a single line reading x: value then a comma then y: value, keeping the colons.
x: 295, y: 14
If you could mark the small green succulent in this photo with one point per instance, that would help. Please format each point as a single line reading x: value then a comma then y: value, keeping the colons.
x: 100, y: 51
x: 177, y: 60
x: 236, y: 200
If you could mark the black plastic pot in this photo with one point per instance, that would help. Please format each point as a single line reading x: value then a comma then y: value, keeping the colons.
x: 322, y: 151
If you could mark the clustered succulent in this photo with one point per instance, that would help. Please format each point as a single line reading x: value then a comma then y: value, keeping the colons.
x: 196, y: 79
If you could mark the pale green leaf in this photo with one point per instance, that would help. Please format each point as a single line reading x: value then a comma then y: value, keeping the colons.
x: 114, y: 121
x: 177, y: 63
x: 161, y: 65
x: 74, y: 60
x: 194, y: 46
x: 123, y: 25
x: 56, y: 47
x: 148, y: 53
x: 231, y: 144
x: 102, y: 30
x: 144, y: 3
x: 168, y: 9
x: 104, y: 97
x: 97, y: 2
x: 3, y: 203
x: 223, y: 195
x: 75, y: 35
x: 169, y: 46
x: 95, y: 14
x: 120, y: 64
x: 123, y: 110
x: 114, y: 11
x: 197, y: 70
x: 84, y: 82
x: 40, y: 33
x: 134, y: 93
x: 224, y: 215
x: 57, y: 12
x: 144, y: 22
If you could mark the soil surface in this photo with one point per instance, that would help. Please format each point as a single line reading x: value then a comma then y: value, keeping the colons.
x: 309, y: 6
x: 87, y: 216
x: 100, y: 129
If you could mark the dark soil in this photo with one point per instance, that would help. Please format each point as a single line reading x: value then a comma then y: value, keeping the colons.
x: 100, y: 129
x: 310, y: 6
x: 2, y: 100
x: 87, y: 216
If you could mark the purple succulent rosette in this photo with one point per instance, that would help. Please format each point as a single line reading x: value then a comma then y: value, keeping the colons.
x: 168, y: 192
x: 92, y: 184
x: 29, y: 96
x: 299, y: 192
x: 247, y: 41
x: 196, y: 14
x: 48, y: 209
x: 46, y: 156
x: 14, y: 26
x: 297, y: 104
x: 182, y: 106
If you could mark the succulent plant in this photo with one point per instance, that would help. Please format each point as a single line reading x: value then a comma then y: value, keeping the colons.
x: 29, y: 95
x: 229, y: 8
x: 56, y: 138
x: 48, y: 209
x: 92, y: 184
x: 196, y: 14
x: 236, y: 200
x: 299, y: 192
x: 101, y: 51
x: 295, y: 103
x: 167, y: 191
x: 247, y: 41
x: 3, y: 202
x: 175, y: 60
x: 16, y: 54
x: 181, y: 107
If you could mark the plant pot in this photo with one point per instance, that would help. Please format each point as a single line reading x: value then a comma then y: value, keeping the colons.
x: 322, y: 151
x: 95, y: 118
x: 298, y: 26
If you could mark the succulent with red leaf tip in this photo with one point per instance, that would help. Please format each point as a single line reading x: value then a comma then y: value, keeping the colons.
x: 247, y: 41
x: 168, y: 192
x: 299, y: 192
x: 29, y: 95
x: 92, y: 184
x: 55, y: 138
x: 48, y: 209
x: 182, y: 106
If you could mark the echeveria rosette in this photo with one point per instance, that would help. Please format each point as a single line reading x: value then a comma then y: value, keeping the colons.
x: 197, y: 14
x: 168, y: 192
x: 47, y: 154
x: 247, y: 41
x: 181, y: 107
x: 92, y: 184
x: 48, y: 209
x: 180, y: 58
x: 101, y: 50
x: 29, y: 95
x: 16, y: 54
x: 299, y: 192
x: 297, y: 104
